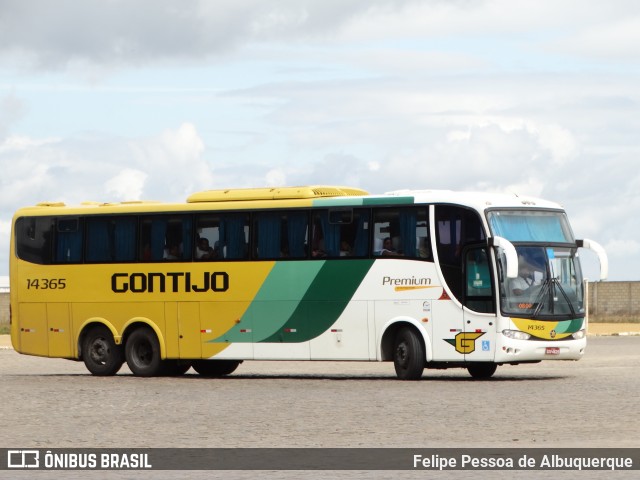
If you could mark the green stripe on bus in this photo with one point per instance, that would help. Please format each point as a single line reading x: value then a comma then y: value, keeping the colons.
x: 275, y: 302
x: 569, y: 326
x: 338, y: 202
x: 388, y: 201
x: 324, y: 302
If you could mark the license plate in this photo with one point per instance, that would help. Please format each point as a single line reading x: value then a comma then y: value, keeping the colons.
x: 552, y: 351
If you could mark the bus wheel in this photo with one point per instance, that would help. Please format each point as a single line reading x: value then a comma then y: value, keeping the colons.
x: 100, y: 353
x: 142, y: 352
x: 482, y: 369
x: 175, y: 368
x: 408, y: 355
x: 215, y: 368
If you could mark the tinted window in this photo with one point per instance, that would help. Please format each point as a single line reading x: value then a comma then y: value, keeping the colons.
x: 68, y: 244
x: 340, y: 233
x: 456, y: 227
x: 401, y: 232
x: 34, y: 239
x: 111, y: 239
x: 166, y: 237
x: 280, y: 234
x: 222, y: 237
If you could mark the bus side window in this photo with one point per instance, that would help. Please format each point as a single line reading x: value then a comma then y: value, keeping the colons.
x: 207, y: 241
x: 111, y: 239
x: 325, y: 240
x: 235, y: 236
x: 166, y: 237
x: 359, y: 232
x: 340, y: 232
x: 297, y: 233
x: 456, y: 227
x: 227, y: 235
x: 478, y: 285
x: 280, y: 234
x: 34, y: 236
x: 401, y: 232
x: 68, y: 247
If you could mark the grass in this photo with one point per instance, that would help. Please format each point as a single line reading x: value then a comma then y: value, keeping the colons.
x: 5, y: 329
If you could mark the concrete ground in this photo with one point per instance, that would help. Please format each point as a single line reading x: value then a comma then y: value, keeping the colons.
x: 597, y: 329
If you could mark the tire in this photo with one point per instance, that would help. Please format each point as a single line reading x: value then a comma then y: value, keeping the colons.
x: 408, y: 355
x: 482, y: 369
x: 174, y: 368
x: 100, y: 353
x: 142, y: 352
x: 215, y: 368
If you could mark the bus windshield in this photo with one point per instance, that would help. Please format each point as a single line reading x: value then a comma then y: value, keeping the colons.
x: 549, y: 284
x: 547, y: 226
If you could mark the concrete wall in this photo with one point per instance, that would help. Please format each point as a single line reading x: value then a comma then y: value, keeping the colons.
x: 614, y: 301
x: 608, y: 301
x: 4, y: 307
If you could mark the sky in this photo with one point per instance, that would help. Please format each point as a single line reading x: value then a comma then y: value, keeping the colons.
x: 110, y: 100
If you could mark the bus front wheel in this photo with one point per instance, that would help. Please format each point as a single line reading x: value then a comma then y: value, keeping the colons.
x: 408, y: 355
x: 142, y: 352
x: 100, y: 353
x: 482, y: 369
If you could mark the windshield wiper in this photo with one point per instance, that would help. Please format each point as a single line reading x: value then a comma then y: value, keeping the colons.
x: 564, y: 294
x: 544, y: 290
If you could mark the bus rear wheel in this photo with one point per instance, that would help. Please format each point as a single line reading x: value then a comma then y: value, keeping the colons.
x: 142, y: 352
x: 482, y: 369
x: 100, y: 353
x: 215, y: 368
x: 408, y: 355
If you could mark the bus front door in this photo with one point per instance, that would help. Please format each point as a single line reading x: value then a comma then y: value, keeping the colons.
x: 477, y: 341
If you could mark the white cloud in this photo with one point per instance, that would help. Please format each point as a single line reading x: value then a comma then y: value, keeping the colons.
x: 96, y: 35
x: 121, y: 32
x: 16, y: 143
x: 610, y: 41
x: 168, y: 166
x: 622, y: 248
x: 127, y: 185
x: 173, y: 163
x: 276, y: 178
x: 560, y: 142
x: 11, y: 110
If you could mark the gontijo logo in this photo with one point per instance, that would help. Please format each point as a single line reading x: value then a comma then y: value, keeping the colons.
x: 170, y: 281
x: 465, y: 342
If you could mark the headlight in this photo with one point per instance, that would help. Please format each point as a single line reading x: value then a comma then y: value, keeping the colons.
x: 516, y: 334
x: 579, y: 334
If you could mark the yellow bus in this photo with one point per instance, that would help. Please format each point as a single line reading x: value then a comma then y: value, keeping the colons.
x: 423, y: 279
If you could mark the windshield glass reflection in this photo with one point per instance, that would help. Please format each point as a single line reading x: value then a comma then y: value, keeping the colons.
x: 549, y: 284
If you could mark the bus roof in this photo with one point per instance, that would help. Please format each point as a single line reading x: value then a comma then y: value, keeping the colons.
x: 278, y: 193
x: 478, y: 200
x: 291, y: 197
